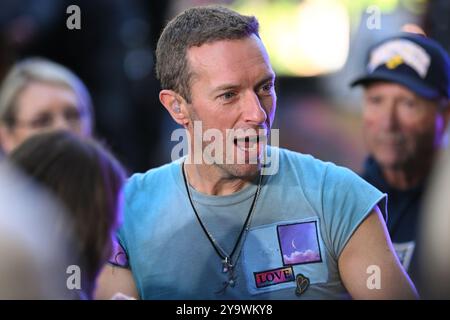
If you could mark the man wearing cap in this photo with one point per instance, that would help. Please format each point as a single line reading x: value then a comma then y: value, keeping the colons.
x: 406, y: 110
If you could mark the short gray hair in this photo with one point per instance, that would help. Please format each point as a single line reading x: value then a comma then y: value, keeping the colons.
x: 40, y: 70
x: 195, y: 27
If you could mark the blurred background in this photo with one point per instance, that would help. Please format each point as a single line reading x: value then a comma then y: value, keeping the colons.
x: 316, y: 47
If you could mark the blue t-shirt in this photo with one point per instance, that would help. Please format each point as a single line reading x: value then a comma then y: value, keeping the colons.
x: 303, y: 218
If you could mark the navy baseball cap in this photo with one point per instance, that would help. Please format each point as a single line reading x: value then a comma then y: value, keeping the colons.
x: 412, y: 60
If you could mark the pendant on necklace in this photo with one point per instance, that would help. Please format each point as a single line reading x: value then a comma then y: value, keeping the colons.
x: 226, y: 265
x: 229, y: 268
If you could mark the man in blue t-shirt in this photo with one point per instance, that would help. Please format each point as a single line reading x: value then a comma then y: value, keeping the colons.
x: 406, y: 110
x: 234, y: 218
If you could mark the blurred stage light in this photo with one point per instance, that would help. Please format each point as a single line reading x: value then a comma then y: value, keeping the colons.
x: 306, y: 38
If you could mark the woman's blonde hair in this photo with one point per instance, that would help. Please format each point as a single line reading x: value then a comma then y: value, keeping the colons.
x: 40, y: 70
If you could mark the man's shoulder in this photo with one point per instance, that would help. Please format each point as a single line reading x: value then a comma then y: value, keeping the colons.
x: 313, y: 172
x: 300, y: 162
x: 155, y: 177
x: 310, y: 164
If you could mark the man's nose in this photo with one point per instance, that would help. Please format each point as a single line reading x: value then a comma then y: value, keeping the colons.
x: 389, y: 117
x: 254, y: 111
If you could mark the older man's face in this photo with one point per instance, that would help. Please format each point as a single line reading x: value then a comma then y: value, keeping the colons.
x: 400, y: 128
x: 233, y: 88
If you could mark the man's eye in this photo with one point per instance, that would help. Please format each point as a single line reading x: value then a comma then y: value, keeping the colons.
x: 267, y: 88
x: 374, y: 100
x: 228, y: 95
x: 409, y: 103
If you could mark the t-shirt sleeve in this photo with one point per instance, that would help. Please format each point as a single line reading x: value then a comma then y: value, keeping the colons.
x: 119, y: 256
x: 122, y: 232
x: 347, y: 200
x: 121, y: 240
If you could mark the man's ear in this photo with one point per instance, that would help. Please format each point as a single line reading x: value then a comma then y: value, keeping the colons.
x: 175, y: 105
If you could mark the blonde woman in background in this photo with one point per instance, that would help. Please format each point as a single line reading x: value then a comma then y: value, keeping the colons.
x: 39, y: 95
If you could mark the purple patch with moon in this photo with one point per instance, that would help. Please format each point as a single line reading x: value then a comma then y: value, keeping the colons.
x: 299, y: 243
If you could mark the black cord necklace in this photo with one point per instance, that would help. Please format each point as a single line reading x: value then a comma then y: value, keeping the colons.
x: 228, y: 262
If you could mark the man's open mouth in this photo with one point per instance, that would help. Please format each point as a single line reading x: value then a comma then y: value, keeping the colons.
x: 249, y: 142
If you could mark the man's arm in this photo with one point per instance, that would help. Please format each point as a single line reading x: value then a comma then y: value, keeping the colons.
x: 116, y: 277
x: 369, y: 246
x: 113, y: 280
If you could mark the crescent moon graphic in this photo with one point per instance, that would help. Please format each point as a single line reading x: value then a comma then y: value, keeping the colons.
x: 293, y: 244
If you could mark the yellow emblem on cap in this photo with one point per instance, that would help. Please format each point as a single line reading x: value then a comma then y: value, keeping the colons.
x: 394, y: 62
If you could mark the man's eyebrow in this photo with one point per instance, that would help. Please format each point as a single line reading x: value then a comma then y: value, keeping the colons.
x: 231, y: 86
x: 225, y: 87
